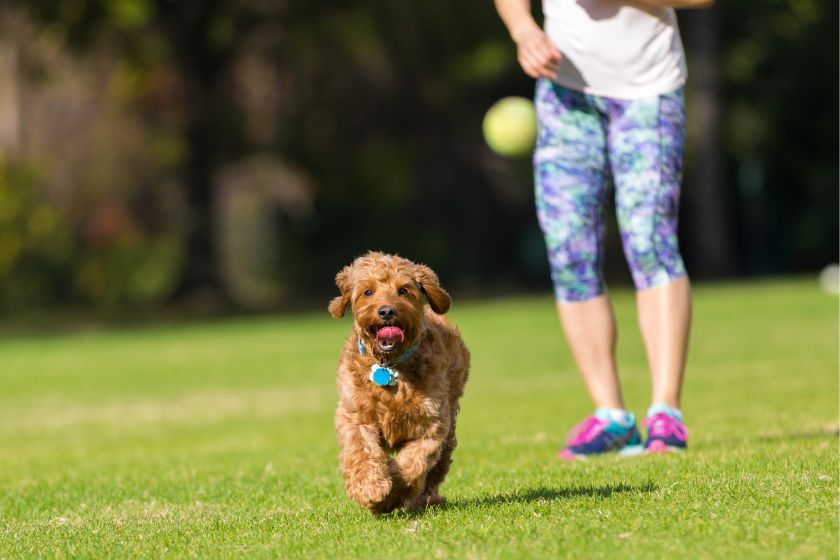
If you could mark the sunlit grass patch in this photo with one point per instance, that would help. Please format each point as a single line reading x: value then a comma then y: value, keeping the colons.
x: 215, y: 440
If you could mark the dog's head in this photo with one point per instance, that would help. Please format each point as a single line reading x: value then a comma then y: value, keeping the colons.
x: 387, y: 294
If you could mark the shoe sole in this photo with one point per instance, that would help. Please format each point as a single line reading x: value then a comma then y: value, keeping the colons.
x: 626, y: 451
x: 659, y: 447
x: 632, y: 450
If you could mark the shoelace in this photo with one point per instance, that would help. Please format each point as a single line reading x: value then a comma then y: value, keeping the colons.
x: 586, y: 431
x: 663, y: 426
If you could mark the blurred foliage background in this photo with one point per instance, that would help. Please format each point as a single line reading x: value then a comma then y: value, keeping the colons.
x: 238, y: 152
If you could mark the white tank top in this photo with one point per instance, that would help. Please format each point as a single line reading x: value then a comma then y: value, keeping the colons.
x: 614, y: 49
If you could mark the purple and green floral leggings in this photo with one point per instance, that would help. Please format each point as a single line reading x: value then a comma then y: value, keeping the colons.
x: 583, y: 142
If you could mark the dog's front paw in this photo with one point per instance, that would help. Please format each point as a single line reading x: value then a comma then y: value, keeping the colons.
x: 370, y: 492
x: 409, y: 481
x: 402, y: 492
x: 375, y: 493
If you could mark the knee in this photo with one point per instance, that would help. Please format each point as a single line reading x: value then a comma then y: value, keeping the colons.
x: 576, y: 274
x: 654, y: 258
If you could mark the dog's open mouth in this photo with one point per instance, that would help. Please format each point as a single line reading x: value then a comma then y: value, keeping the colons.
x: 389, y: 337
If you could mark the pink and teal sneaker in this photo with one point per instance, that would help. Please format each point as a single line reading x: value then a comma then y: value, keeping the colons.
x: 665, y: 433
x: 599, y: 434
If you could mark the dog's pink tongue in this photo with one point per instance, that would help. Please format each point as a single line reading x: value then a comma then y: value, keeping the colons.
x: 390, y: 333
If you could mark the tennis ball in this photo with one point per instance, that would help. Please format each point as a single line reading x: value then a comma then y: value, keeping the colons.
x: 510, y: 126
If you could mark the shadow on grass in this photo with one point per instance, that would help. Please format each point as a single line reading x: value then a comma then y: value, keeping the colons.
x: 543, y: 494
x: 546, y: 494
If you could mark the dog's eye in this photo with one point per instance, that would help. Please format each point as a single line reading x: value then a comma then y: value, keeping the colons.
x: 402, y: 291
x: 368, y: 293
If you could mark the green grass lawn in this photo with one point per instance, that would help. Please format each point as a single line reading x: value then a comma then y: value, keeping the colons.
x: 215, y: 439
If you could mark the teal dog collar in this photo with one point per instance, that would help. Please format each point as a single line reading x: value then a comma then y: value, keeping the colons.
x: 384, y: 374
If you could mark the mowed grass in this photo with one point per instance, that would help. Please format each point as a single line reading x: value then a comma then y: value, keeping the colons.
x: 215, y: 440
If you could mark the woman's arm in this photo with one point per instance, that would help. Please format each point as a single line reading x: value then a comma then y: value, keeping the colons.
x: 536, y: 53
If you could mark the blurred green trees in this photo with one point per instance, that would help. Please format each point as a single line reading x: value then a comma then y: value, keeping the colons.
x: 34, y: 248
x: 244, y: 150
x: 780, y: 73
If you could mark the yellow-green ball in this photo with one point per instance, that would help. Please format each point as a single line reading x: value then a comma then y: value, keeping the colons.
x: 510, y: 126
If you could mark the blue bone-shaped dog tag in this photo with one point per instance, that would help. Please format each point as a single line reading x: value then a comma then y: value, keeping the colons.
x: 382, y: 376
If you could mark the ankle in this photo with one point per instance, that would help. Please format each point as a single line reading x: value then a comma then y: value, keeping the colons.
x: 662, y: 408
x: 620, y: 416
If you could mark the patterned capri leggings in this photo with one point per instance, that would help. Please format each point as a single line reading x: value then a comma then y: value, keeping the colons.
x: 586, y: 140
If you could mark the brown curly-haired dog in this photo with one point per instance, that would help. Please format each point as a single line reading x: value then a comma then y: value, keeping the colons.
x: 400, y: 375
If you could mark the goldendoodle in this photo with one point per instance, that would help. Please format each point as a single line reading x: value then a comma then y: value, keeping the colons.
x: 400, y: 375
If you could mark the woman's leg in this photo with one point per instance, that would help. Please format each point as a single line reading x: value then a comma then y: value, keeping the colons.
x: 665, y: 322
x: 646, y: 138
x: 590, y: 331
x: 571, y: 173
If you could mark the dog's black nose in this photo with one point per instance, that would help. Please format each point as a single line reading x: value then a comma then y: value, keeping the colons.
x: 387, y: 312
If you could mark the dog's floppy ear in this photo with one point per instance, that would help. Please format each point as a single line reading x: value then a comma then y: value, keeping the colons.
x: 428, y: 281
x: 339, y: 304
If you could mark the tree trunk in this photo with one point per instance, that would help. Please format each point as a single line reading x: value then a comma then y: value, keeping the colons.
x: 10, y: 98
x: 199, y: 268
x: 186, y: 26
x: 709, y: 218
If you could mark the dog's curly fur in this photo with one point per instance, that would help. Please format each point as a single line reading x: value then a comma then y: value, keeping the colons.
x: 397, y: 442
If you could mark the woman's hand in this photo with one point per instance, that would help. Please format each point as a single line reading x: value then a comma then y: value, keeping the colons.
x: 536, y: 53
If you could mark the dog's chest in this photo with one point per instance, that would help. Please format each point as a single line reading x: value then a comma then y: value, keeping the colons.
x: 404, y: 414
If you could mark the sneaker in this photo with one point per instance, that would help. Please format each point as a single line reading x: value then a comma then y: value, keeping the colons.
x: 595, y: 436
x: 665, y: 433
